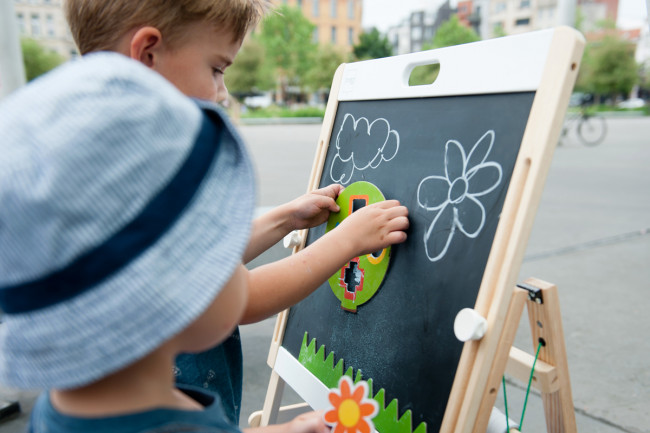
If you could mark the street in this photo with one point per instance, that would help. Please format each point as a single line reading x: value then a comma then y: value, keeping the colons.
x: 591, y: 237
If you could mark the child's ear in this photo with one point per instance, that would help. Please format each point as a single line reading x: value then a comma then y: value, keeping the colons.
x: 145, y: 45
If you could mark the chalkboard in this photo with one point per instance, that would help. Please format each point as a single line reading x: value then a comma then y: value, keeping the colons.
x: 403, y: 337
x: 452, y: 157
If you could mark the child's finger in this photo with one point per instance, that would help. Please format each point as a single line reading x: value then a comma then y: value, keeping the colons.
x: 332, y: 190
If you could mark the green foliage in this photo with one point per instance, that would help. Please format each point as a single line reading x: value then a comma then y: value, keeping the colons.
x: 372, y: 45
x: 608, y: 67
x: 37, y: 59
x: 250, y: 72
x: 326, y: 59
x: 452, y: 32
x: 425, y: 74
x: 287, y: 38
x: 499, y: 31
x: 275, y: 111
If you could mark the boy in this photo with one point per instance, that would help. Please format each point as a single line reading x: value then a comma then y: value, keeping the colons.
x: 126, y: 210
x: 191, y: 43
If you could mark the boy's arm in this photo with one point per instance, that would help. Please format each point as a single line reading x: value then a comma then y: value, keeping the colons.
x: 279, y: 285
x: 308, y: 210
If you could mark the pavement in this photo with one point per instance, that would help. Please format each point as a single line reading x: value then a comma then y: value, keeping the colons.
x: 591, y: 237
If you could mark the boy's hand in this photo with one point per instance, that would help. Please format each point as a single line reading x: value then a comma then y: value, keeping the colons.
x: 314, y: 208
x: 375, y: 226
x: 310, y: 422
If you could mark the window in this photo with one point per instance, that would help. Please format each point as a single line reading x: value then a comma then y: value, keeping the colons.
x: 416, y: 33
x: 314, y: 36
x: 333, y: 4
x: 21, y: 23
x: 351, y: 36
x: 500, y: 7
x: 333, y: 35
x: 524, y: 4
x: 49, y: 24
x: 35, y: 22
x: 315, y: 7
x: 351, y: 9
x: 522, y: 22
x: 300, y: 4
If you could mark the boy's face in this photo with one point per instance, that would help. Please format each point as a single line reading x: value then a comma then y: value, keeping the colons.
x: 196, y: 66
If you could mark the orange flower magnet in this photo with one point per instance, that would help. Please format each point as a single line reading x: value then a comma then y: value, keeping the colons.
x: 352, y: 411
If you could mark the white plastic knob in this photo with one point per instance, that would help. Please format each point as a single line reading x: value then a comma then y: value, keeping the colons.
x: 469, y: 325
x: 292, y: 240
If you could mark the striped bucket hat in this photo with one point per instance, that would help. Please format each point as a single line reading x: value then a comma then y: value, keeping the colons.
x: 124, y: 209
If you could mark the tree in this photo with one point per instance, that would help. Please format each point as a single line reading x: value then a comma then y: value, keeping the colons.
x: 287, y: 39
x: 250, y: 72
x: 451, y: 32
x: 37, y: 59
x: 614, y: 70
x: 608, y: 67
x: 326, y: 59
x: 372, y: 45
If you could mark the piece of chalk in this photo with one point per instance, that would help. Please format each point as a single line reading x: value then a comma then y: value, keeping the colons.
x: 469, y: 325
x: 292, y: 239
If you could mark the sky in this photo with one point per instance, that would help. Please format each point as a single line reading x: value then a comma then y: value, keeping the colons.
x: 384, y: 13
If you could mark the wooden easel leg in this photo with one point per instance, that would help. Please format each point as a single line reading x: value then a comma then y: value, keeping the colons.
x: 546, y: 327
x: 551, y: 375
x: 273, y: 400
x: 488, y: 398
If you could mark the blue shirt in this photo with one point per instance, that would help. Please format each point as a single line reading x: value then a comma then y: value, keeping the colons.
x: 46, y: 419
x: 219, y: 370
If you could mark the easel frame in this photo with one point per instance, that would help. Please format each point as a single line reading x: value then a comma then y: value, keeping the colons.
x: 472, y: 396
x: 551, y: 372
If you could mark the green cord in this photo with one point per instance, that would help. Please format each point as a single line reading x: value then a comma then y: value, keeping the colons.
x: 505, y: 403
x: 532, y: 373
x: 505, y: 399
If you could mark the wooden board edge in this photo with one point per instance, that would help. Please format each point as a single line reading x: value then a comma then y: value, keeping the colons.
x: 314, y: 180
x: 540, y: 137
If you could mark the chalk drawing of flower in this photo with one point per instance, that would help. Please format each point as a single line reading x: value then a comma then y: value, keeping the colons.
x: 454, y: 196
x: 351, y: 410
x: 360, y: 145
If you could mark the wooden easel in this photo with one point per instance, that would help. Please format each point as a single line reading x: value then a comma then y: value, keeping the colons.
x: 551, y: 373
x: 482, y: 362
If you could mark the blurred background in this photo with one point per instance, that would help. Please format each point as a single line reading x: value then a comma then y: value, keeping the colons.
x: 286, y: 65
x: 590, y: 235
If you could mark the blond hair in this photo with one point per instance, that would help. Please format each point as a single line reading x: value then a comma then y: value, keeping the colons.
x: 98, y: 25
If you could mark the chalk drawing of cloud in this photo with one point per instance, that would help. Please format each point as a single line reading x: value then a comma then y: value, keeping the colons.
x: 361, y: 145
x: 455, y: 196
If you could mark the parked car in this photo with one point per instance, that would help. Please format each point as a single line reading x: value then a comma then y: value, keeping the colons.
x: 631, y: 103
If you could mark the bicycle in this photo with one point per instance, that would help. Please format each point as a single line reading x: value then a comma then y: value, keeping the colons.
x: 591, y: 128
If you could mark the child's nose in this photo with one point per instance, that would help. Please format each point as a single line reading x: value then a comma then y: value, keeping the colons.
x: 222, y: 93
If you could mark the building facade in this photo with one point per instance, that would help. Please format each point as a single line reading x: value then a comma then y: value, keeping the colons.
x: 418, y: 29
x: 519, y: 16
x: 338, y: 22
x: 44, y: 21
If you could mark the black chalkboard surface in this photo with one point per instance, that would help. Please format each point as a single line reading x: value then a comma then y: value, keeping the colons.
x: 468, y: 155
x: 403, y: 337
